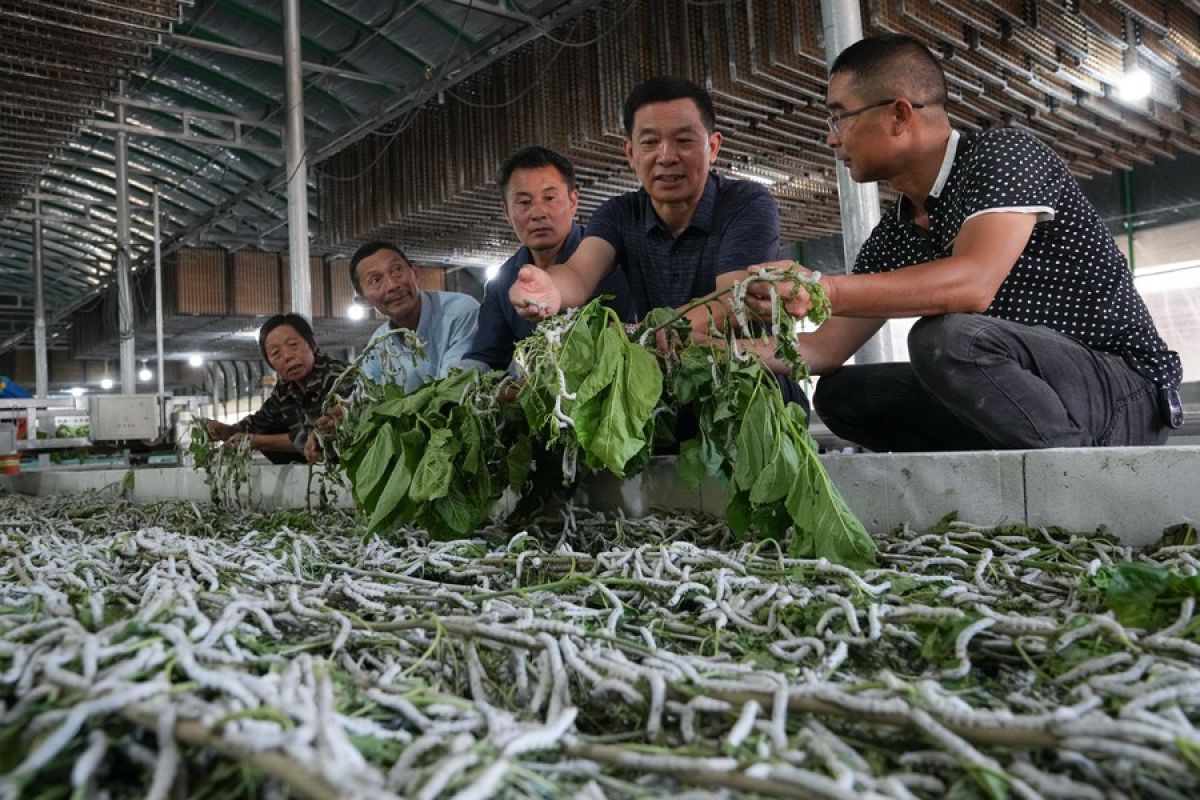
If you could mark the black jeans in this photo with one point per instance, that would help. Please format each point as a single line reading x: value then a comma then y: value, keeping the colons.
x: 979, y: 383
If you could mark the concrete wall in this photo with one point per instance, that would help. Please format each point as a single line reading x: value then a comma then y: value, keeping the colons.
x: 1133, y: 492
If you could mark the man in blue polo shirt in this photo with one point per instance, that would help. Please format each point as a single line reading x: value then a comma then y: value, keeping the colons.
x: 443, y: 322
x: 539, y: 195
x: 685, y: 233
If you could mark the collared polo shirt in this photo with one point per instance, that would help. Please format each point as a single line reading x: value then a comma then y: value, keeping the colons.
x: 445, y: 331
x: 1071, y: 277
x: 735, y: 225
x: 501, y: 327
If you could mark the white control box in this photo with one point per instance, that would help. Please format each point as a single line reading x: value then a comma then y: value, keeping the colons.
x: 123, y: 417
x: 8, y: 439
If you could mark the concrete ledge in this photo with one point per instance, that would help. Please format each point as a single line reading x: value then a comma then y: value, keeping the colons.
x: 1134, y: 492
x: 270, y: 487
x: 887, y: 490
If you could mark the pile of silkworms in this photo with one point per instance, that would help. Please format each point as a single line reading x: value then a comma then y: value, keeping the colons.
x: 172, y: 650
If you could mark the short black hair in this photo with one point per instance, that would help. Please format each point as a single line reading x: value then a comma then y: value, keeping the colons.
x: 366, y: 251
x: 665, y: 88
x: 892, y: 65
x: 533, y: 158
x: 297, y: 322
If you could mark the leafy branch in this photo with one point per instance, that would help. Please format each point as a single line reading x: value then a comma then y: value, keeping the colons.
x: 442, y: 455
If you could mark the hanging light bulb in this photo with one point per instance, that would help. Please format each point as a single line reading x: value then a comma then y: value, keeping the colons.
x: 1134, y: 85
x: 144, y: 373
x: 106, y: 383
x: 195, y: 360
x: 355, y: 311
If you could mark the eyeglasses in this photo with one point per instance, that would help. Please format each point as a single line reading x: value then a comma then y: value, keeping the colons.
x: 835, y: 120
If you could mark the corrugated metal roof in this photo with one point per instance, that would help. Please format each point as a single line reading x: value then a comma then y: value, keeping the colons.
x: 206, y: 79
x: 488, y: 76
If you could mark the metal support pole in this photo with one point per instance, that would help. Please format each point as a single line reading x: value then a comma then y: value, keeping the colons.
x: 125, y: 330
x: 842, y: 25
x: 297, y: 163
x: 40, y: 370
x: 158, y: 310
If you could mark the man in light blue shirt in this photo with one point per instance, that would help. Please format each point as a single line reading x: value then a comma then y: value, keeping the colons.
x: 443, y: 322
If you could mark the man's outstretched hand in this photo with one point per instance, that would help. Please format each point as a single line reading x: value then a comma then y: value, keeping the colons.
x: 534, y: 294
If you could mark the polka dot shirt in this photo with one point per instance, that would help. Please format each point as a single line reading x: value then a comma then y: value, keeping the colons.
x: 1071, y: 277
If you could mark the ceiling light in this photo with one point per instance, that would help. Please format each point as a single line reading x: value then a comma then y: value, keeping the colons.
x: 144, y: 374
x: 76, y: 391
x: 355, y: 311
x: 752, y: 176
x: 1134, y: 85
x: 195, y: 360
x: 106, y: 383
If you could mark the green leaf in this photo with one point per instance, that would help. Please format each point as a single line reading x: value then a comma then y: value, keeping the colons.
x: 431, y: 479
x: 471, y: 439
x: 371, y: 471
x: 408, y: 404
x: 820, y: 512
x: 1143, y: 595
x: 1132, y: 591
x: 737, y: 513
x: 614, y: 425
x: 777, y: 477
x: 607, y: 353
x: 658, y: 317
x: 691, y: 463
x: 460, y: 516
x: 693, y: 378
x: 578, y: 358
x: 396, y: 488
x: 519, y: 460
x: 452, y: 389
x: 753, y: 443
x: 770, y: 520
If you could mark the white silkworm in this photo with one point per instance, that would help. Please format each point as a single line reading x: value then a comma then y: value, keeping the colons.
x: 544, y: 737
x: 167, y: 764
x: 85, y: 766
x: 487, y: 785
x: 744, y: 724
x: 961, y: 645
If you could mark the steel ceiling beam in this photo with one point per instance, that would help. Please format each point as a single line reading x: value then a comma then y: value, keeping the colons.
x: 271, y: 58
x: 497, y: 8
x: 450, y: 75
x: 236, y: 142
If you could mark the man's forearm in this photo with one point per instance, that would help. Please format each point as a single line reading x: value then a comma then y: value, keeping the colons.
x: 274, y: 442
x: 571, y: 286
x: 930, y: 289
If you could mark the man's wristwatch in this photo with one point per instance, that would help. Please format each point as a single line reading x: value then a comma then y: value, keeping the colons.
x: 1170, y: 407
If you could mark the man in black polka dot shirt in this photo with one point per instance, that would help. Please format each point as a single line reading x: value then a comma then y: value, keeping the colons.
x: 1031, y: 332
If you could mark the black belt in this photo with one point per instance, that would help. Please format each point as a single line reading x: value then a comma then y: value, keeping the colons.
x: 1170, y: 406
